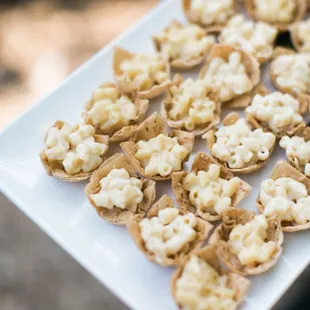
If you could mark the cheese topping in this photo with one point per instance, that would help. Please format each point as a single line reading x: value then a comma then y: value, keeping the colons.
x: 248, y: 242
x: 191, y: 104
x: 144, y: 71
x: 161, y: 155
x: 74, y: 148
x: 111, y: 111
x: 208, y: 192
x: 279, y: 111
x: 293, y: 72
x: 229, y: 77
x: 275, y: 11
x: 201, y: 287
x: 239, y: 146
x: 119, y: 190
x: 303, y: 34
x: 286, y: 199
x: 185, y: 43
x: 297, y: 147
x: 210, y: 12
x: 169, y: 233
x: 254, y: 38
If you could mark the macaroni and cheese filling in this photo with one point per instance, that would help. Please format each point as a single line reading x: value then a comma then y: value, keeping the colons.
x: 279, y: 111
x: 286, y: 199
x: 185, y: 43
x: 169, y: 233
x: 210, y: 193
x: 275, y: 11
x: 239, y: 146
x: 119, y: 190
x: 230, y: 77
x: 209, y: 12
x: 293, y: 72
x: 202, y: 287
x: 254, y: 38
x: 303, y: 34
x: 74, y: 148
x: 297, y: 147
x: 249, y: 243
x: 161, y: 155
x: 144, y: 71
x: 191, y: 104
x: 111, y: 110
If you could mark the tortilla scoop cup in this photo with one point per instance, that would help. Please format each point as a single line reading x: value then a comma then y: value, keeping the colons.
x: 116, y: 215
x: 251, y: 65
x: 151, y: 128
x: 57, y: 170
x: 202, y: 162
x: 220, y: 237
x: 210, y: 137
x: 167, y: 104
x: 285, y: 170
x: 202, y: 228
x: 128, y: 87
x: 236, y: 282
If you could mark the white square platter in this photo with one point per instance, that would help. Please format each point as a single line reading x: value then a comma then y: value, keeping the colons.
x: 63, y: 212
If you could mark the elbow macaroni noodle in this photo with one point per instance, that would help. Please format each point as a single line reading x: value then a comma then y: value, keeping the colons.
x: 201, y: 287
x: 293, y: 72
x: 184, y: 43
x: 161, y: 155
x: 229, y: 77
x: 279, y: 111
x: 145, y: 71
x: 111, y: 110
x: 119, y: 190
x: 74, y: 148
x: 275, y: 11
x: 191, y: 104
x: 208, y: 192
x: 169, y: 233
x: 286, y: 199
x: 254, y: 38
x: 303, y: 34
x: 297, y: 147
x: 248, y: 242
x: 239, y: 146
x: 210, y: 12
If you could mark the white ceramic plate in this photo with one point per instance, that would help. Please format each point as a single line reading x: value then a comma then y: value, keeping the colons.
x: 63, y: 212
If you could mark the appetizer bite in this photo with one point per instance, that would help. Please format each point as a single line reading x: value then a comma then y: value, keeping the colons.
x: 298, y: 150
x: 208, y: 189
x: 279, y: 13
x: 233, y: 72
x: 73, y: 153
x: 144, y: 76
x: 114, y: 114
x: 167, y: 235
x: 209, y: 14
x: 185, y: 46
x: 286, y: 196
x: 248, y: 243
x: 200, y: 282
x: 300, y: 34
x: 154, y: 153
x: 238, y: 147
x: 276, y: 112
x: 191, y: 105
x: 117, y: 192
x: 255, y: 38
x: 290, y: 72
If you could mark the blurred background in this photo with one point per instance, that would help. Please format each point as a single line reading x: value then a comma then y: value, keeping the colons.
x: 41, y: 42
